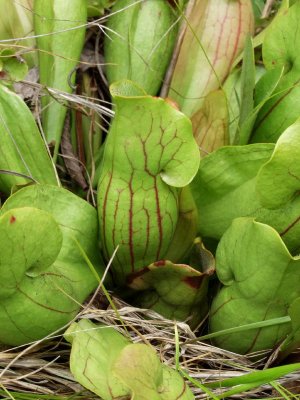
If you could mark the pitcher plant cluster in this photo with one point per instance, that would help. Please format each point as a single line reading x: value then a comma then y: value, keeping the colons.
x: 220, y: 237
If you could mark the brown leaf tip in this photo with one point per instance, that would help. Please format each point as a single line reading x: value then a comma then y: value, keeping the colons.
x: 172, y: 3
x: 172, y: 103
x: 3, y: 75
x: 135, y: 275
x: 193, y: 281
x: 160, y: 263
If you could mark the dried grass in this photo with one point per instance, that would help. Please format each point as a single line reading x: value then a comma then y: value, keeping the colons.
x: 43, y: 368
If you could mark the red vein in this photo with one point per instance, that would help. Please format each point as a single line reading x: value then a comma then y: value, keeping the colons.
x: 147, y: 231
x: 114, y: 229
x: 104, y: 214
x: 289, y: 227
x: 277, y: 102
x: 216, y: 52
x: 256, y: 336
x: 131, y: 223
x: 220, y: 36
x: 44, y: 305
x: 159, y: 218
x: 237, y: 39
x: 115, y: 218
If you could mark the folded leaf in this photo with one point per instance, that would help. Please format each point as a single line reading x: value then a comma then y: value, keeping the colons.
x: 139, y: 367
x: 174, y: 387
x: 106, y: 363
x: 44, y: 276
x: 225, y: 188
x: 292, y: 342
x: 233, y: 88
x: 22, y: 150
x: 149, y: 153
x: 177, y: 291
x: 215, y: 34
x: 139, y: 42
x: 280, y: 50
x: 95, y: 348
x: 186, y: 227
x: 261, y: 281
x: 60, y: 26
x: 278, y: 180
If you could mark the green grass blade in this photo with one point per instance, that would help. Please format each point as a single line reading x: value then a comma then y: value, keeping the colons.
x: 177, y: 350
x: 254, y: 325
x: 196, y: 383
x: 258, y: 377
x: 99, y: 279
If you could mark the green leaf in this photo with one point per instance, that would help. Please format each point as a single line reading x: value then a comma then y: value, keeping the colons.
x: 177, y: 291
x: 174, y: 387
x: 264, y: 90
x: 247, y: 89
x: 91, y: 129
x: 149, y: 153
x: 95, y: 348
x: 280, y: 51
x: 22, y: 150
x: 292, y: 342
x: 60, y: 41
x: 266, y: 86
x: 267, y: 82
x: 186, y: 227
x: 16, y: 22
x: 139, y: 42
x: 258, y: 6
x: 214, y: 50
x: 278, y: 180
x: 96, y: 8
x: 228, y: 177
x: 106, y: 363
x: 26, y: 258
x: 260, y: 37
x: 139, y: 368
x: 261, y: 281
x: 232, y: 88
x: 44, y: 277
x: 13, y: 66
x: 126, y: 88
